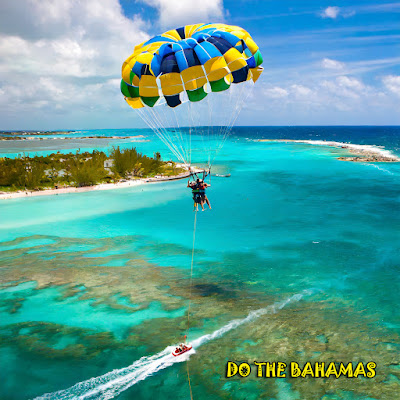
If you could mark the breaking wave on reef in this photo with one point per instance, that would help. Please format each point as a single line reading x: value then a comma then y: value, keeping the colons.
x: 359, y: 148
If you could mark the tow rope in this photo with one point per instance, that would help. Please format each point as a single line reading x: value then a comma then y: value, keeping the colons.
x: 190, y: 296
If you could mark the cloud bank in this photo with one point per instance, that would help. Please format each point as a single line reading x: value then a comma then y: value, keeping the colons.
x: 60, y: 63
x: 63, y: 55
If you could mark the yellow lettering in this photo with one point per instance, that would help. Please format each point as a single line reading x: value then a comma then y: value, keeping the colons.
x: 360, y: 370
x: 307, y: 370
x: 371, y: 369
x: 259, y: 368
x: 270, y: 370
x: 281, y: 370
x: 244, y: 370
x: 319, y: 370
x: 347, y: 371
x: 331, y: 370
x: 294, y: 370
x: 231, y: 369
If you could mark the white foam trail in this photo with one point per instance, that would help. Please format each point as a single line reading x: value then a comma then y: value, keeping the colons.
x: 386, y: 171
x: 272, y: 309
x: 113, y: 383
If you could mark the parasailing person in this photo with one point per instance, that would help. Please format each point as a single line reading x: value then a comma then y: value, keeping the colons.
x: 204, y: 199
x: 199, y: 187
x: 194, y: 185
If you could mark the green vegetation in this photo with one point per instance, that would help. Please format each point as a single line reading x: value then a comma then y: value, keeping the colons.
x: 129, y: 162
x: 89, y: 171
x: 80, y: 169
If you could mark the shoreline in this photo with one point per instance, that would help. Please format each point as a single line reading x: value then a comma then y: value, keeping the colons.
x: 101, y: 186
x: 363, y: 152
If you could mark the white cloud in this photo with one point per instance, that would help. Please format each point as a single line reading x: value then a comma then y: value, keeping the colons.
x: 350, y: 82
x: 392, y: 83
x: 300, y: 91
x: 276, y: 92
x: 64, y: 53
x: 330, y: 12
x: 314, y: 99
x: 175, y: 13
x: 345, y: 87
x: 332, y: 64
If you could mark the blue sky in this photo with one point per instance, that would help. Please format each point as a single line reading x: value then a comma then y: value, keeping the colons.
x: 326, y: 62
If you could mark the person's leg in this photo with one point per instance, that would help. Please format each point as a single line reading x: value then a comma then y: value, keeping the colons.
x: 202, y: 201
x: 208, y: 203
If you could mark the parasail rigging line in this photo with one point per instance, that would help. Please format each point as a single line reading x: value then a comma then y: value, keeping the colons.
x: 168, y: 134
x: 158, y: 131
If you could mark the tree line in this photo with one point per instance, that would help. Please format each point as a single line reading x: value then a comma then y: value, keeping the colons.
x: 79, y: 169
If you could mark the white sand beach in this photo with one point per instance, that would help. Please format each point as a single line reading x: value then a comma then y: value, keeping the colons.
x: 102, y: 186
x: 363, y: 152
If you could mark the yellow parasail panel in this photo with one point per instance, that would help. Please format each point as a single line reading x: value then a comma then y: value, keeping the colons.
x: 134, y: 102
x: 256, y: 72
x: 216, y: 68
x: 193, y: 77
x: 251, y: 44
x: 234, y: 59
x: 171, y: 83
x: 148, y: 86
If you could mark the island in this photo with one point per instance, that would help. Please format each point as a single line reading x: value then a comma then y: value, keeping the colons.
x: 360, y: 152
x: 60, y: 135
x: 59, y: 173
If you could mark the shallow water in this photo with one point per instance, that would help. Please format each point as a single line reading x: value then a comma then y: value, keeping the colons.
x: 92, y: 282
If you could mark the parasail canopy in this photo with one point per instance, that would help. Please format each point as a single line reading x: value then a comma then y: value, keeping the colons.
x: 186, y: 66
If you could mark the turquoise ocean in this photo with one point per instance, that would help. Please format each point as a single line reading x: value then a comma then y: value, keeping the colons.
x: 298, y: 260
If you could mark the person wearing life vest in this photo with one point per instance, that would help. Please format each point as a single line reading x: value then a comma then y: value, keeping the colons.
x: 194, y: 185
x: 202, y: 189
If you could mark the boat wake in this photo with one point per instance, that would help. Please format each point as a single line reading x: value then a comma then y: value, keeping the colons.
x: 113, y: 383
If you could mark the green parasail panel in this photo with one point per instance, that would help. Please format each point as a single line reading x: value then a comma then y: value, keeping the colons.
x: 197, y: 94
x: 150, y: 101
x: 258, y: 58
x: 124, y: 89
x: 219, y: 85
x: 128, y: 90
